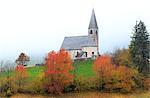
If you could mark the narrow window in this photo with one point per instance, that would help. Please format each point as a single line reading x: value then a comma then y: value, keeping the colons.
x: 91, y: 32
x: 85, y: 54
x: 77, y: 54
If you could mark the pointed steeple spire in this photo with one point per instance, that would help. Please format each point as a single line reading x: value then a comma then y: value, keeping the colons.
x: 93, y: 22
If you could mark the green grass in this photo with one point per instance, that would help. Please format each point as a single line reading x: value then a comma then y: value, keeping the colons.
x: 35, y: 71
x: 81, y: 69
x: 7, y: 73
x: 84, y: 68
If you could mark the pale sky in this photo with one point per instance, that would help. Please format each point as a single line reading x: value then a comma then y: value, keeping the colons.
x: 39, y: 26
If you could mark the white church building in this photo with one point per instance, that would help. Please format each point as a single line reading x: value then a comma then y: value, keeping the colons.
x: 86, y: 46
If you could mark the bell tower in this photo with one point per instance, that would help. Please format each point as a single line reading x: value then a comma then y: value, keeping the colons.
x: 93, y: 28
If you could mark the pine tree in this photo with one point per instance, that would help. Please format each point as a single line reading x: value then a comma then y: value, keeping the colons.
x: 140, y: 48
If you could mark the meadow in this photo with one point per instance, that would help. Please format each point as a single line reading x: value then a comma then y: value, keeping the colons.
x: 81, y: 69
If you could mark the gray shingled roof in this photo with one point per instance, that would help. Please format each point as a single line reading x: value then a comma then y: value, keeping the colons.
x: 76, y: 42
x: 93, y: 22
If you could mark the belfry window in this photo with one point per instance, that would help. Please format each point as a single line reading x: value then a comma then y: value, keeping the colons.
x: 91, y: 32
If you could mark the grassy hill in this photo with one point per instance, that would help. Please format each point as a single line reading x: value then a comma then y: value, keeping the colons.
x: 84, y: 68
x: 81, y: 69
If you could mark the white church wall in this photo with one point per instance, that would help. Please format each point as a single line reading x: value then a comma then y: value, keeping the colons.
x: 73, y: 53
x: 89, y: 51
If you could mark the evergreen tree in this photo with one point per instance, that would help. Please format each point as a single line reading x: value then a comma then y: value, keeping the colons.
x: 140, y: 48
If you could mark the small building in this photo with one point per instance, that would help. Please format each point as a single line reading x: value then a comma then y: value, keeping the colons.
x: 83, y: 47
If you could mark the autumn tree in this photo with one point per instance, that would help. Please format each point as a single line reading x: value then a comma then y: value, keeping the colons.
x: 112, y: 77
x: 140, y: 48
x: 121, y: 57
x: 57, y: 74
x: 103, y: 67
x: 121, y: 79
x: 22, y: 59
x: 21, y: 76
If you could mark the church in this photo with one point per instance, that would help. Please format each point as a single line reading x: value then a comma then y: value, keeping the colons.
x: 86, y: 46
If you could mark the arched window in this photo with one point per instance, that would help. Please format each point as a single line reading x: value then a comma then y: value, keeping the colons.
x: 91, y: 32
x: 77, y: 54
x: 85, y: 54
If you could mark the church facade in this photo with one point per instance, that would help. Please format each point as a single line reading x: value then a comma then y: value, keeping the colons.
x: 84, y: 47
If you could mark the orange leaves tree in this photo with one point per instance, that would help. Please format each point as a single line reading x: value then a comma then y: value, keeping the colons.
x: 21, y: 76
x: 103, y: 68
x: 122, y: 79
x: 112, y: 77
x: 58, y: 71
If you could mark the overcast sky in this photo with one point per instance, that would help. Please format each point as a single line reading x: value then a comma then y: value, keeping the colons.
x: 39, y: 26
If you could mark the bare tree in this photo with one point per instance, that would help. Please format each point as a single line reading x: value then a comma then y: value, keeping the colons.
x: 22, y: 59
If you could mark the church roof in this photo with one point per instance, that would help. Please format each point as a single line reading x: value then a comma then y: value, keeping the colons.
x: 76, y: 42
x: 93, y: 22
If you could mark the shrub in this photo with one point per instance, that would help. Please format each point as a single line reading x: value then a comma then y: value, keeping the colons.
x: 7, y: 86
x: 113, y: 78
x: 58, y: 71
x: 84, y: 84
x: 121, y: 80
x: 146, y: 83
x: 21, y: 77
x: 35, y: 86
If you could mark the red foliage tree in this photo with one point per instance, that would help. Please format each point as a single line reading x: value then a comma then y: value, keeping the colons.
x: 113, y: 77
x: 58, y: 68
x: 103, y: 67
x: 21, y: 75
x: 20, y: 68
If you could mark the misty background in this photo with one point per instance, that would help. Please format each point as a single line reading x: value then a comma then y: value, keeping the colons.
x: 36, y: 27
